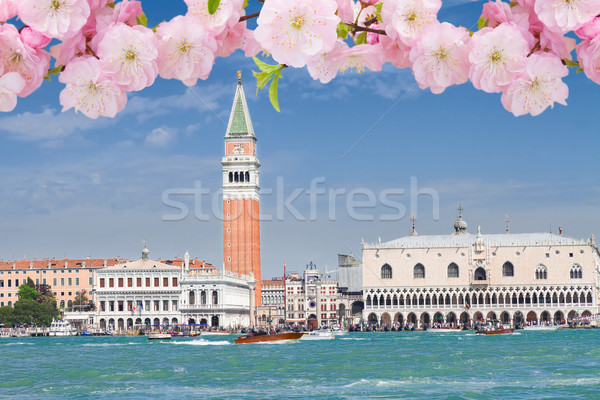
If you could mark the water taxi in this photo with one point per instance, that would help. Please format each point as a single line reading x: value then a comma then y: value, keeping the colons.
x: 61, y: 328
x: 268, y: 337
x: 541, y: 328
x: 495, y: 330
x: 159, y: 336
x: 318, y: 335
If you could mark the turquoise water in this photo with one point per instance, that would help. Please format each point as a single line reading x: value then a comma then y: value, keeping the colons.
x: 463, y: 365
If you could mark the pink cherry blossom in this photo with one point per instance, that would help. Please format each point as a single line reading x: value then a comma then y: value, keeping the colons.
x: 69, y: 48
x: 33, y: 39
x: 367, y: 3
x: 227, y: 15
x: 346, y: 10
x: 566, y: 15
x: 185, y: 50
x: 538, y: 86
x: 295, y: 30
x: 589, y: 30
x: 325, y: 66
x: 440, y: 58
x: 89, y: 90
x: 588, y: 54
x: 230, y: 39
x: 54, y: 18
x: 408, y: 19
x: 496, y: 56
x: 11, y: 83
x: 129, y: 56
x: 15, y: 56
x: 361, y: 57
x: 557, y: 43
x: 8, y: 10
x: 395, y: 51
x: 95, y: 4
x: 251, y: 46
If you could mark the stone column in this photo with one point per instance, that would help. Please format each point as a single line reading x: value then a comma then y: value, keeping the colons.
x: 252, y: 306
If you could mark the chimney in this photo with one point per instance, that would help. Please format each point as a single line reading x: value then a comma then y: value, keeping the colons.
x: 560, y: 230
x: 30, y: 264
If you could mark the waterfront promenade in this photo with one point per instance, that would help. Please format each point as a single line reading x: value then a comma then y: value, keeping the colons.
x: 526, y: 365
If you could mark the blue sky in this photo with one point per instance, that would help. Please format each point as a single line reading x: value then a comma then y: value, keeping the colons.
x: 76, y: 187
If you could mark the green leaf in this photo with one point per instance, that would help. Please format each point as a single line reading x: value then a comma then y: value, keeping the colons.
x: 378, y: 10
x: 273, y: 92
x: 579, y: 70
x: 570, y: 63
x: 268, y: 73
x: 213, y: 5
x: 56, y: 70
x: 245, y: 4
x: 482, y: 22
x: 361, y: 38
x: 142, y: 20
x: 343, y: 30
x: 47, y: 78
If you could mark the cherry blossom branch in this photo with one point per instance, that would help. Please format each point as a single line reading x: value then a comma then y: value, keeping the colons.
x: 366, y: 29
x: 249, y: 16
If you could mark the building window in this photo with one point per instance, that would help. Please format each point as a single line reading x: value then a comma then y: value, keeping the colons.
x: 165, y: 282
x: 139, y: 282
x: 156, y: 282
x: 103, y: 306
x: 156, y: 304
x: 111, y: 306
x: 508, y: 269
x: 147, y: 283
x: 165, y: 305
x: 174, y: 282
x: 453, y: 270
x: 129, y: 305
x: 62, y: 281
x: 129, y: 282
x: 419, y: 271
x: 70, y: 281
x: 174, y: 305
x: 101, y: 282
x: 386, y: 272
x: 121, y: 305
x: 120, y: 282
x: 76, y: 281
x: 576, y: 272
x: 541, y: 272
x: 111, y: 282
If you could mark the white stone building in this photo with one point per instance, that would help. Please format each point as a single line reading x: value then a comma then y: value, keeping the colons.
x: 215, y: 298
x: 143, y: 292
x: 460, y: 278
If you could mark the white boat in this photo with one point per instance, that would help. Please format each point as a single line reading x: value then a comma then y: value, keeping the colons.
x: 338, y: 331
x: 20, y: 333
x: 317, y: 335
x: 5, y: 333
x: 541, y: 328
x: 159, y: 336
x: 214, y: 333
x: 61, y: 328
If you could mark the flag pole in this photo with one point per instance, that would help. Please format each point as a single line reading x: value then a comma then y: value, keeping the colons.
x: 284, y: 296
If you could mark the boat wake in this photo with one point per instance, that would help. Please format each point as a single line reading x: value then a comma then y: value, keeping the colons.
x: 350, y: 338
x: 108, y: 344
x: 202, y: 342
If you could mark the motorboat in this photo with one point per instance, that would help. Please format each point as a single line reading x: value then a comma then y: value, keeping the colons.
x: 318, y: 335
x: 60, y: 328
x: 268, y: 337
x: 214, y: 333
x: 5, y: 334
x: 444, y: 330
x: 159, y: 336
x: 495, y: 330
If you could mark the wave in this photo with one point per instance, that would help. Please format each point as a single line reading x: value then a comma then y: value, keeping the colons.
x: 108, y: 344
x: 349, y: 338
x: 17, y: 343
x: 203, y: 342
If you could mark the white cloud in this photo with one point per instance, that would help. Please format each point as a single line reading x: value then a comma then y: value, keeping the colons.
x: 160, y: 137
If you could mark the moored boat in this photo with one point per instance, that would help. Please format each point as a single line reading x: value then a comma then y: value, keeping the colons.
x: 209, y: 333
x: 268, y: 337
x: 5, y: 333
x: 159, y: 336
x: 61, y: 328
x: 444, y: 330
x: 318, y: 335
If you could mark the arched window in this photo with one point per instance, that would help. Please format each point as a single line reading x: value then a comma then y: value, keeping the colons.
x: 576, y: 272
x: 230, y: 177
x: 419, y: 271
x: 236, y: 177
x: 453, y: 270
x: 247, y: 176
x: 480, y: 274
x: 508, y: 269
x: 192, y: 298
x: 203, y: 297
x: 541, y: 272
x: 215, y: 297
x: 386, y: 272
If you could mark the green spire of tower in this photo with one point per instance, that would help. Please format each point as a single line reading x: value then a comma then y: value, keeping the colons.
x: 239, y: 120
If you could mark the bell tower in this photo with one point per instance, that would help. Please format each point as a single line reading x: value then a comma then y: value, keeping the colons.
x: 241, y: 225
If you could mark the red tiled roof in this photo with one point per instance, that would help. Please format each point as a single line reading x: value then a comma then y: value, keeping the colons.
x: 271, y: 282
x: 89, y: 263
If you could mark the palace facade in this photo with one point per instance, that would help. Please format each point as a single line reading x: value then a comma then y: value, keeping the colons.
x: 461, y: 278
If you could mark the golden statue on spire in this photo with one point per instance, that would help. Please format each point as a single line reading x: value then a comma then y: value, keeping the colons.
x: 239, y: 75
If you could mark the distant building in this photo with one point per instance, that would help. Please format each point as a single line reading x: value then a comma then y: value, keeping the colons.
x: 463, y: 278
x: 138, y: 293
x: 350, y: 274
x: 272, y: 306
x: 312, y: 300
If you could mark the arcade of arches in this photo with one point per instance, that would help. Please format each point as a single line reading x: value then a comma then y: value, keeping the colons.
x: 456, y: 306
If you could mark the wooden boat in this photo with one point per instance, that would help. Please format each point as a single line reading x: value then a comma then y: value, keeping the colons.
x: 159, y: 336
x: 268, y: 337
x: 495, y: 330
